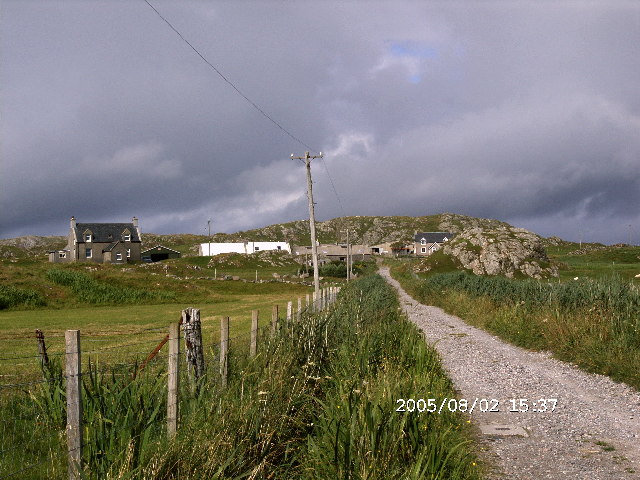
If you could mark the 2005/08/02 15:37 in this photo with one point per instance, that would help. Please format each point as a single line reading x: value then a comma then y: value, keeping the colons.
x: 515, y: 405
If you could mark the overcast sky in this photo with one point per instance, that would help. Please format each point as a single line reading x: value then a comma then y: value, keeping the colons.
x: 527, y: 112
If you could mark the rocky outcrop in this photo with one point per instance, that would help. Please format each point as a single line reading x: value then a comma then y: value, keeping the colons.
x: 498, y: 250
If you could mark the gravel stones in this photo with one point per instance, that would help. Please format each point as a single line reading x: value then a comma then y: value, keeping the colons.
x: 593, y: 433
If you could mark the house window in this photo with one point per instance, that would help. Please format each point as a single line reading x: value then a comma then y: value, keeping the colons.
x: 87, y: 237
x: 279, y: 247
x: 423, y: 242
x: 88, y: 253
x: 62, y: 254
x: 118, y: 256
x: 126, y: 237
x: 128, y: 253
x: 256, y: 249
x: 423, y: 249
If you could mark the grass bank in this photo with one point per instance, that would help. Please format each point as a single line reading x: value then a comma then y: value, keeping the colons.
x: 318, y: 401
x: 592, y: 323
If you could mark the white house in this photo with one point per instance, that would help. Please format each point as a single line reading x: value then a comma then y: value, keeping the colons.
x: 210, y: 249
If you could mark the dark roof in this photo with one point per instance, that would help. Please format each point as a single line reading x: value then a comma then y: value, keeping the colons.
x: 106, y: 232
x: 433, y: 237
x: 160, y: 248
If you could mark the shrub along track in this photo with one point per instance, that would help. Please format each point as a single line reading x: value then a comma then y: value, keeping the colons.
x: 593, y: 433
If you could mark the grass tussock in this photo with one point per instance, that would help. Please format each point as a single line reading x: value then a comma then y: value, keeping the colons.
x: 593, y: 323
x: 88, y: 290
x: 11, y: 296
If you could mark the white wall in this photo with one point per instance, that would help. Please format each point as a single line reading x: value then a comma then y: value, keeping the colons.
x: 210, y: 249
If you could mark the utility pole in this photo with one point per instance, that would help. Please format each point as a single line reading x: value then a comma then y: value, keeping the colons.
x: 312, y: 219
x: 209, y: 225
x: 348, y: 269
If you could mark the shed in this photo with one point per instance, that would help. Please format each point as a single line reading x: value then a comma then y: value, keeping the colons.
x: 158, y: 253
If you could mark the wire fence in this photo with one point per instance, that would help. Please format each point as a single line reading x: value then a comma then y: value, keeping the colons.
x: 49, y: 429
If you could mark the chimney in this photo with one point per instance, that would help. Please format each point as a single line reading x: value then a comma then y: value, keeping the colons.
x: 72, y: 223
x: 134, y: 220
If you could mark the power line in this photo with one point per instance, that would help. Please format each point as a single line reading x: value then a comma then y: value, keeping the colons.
x: 238, y: 91
x: 251, y: 102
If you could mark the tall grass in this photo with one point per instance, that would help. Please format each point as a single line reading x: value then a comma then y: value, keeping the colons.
x: 11, y: 296
x: 318, y: 401
x: 89, y: 290
x: 594, y: 323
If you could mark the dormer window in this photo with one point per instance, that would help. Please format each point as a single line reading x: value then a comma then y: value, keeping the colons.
x: 87, y: 237
x: 423, y: 241
x: 126, y: 236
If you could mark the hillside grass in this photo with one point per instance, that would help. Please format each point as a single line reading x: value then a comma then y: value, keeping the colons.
x: 317, y: 402
x: 592, y: 323
x: 602, y: 261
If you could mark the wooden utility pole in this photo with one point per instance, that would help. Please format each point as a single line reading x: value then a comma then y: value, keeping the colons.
x: 348, y: 269
x: 312, y: 219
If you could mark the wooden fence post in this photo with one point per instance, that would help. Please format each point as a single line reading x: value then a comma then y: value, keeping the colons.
x: 274, y: 320
x: 253, y: 349
x: 174, y: 379
x: 73, y: 369
x: 224, y: 350
x: 289, y: 311
x: 308, y: 301
x: 42, y: 349
x: 299, y: 312
x: 193, y: 345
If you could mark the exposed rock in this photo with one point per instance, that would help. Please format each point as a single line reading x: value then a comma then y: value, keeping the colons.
x: 497, y: 250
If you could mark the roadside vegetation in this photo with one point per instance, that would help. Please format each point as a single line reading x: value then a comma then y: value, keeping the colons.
x: 318, y: 401
x: 594, y: 323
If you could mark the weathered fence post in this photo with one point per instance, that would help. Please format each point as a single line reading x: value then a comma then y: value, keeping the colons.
x: 308, y: 301
x: 174, y: 379
x: 193, y: 345
x: 73, y: 369
x: 314, y: 304
x: 42, y: 349
x: 253, y: 349
x: 299, y: 312
x: 274, y: 320
x: 289, y: 311
x: 224, y: 350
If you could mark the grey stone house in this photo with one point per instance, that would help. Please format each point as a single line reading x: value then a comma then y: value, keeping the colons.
x: 425, y: 243
x: 100, y: 243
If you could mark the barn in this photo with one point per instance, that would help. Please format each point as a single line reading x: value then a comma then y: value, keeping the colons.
x: 158, y: 253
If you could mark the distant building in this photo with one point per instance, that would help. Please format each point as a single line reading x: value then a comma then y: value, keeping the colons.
x: 100, y: 243
x: 425, y: 243
x: 331, y: 252
x: 213, y: 248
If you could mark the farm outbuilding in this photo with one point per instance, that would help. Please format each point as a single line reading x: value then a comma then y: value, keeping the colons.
x: 158, y: 253
x: 215, y: 248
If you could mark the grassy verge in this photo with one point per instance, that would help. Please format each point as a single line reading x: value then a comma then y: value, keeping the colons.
x: 318, y: 402
x: 592, y: 323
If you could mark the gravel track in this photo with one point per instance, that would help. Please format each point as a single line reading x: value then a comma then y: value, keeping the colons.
x: 593, y: 433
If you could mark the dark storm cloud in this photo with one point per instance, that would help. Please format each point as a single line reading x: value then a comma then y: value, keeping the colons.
x: 524, y: 111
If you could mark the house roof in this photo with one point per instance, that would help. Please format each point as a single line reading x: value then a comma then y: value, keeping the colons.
x: 433, y: 237
x: 106, y: 232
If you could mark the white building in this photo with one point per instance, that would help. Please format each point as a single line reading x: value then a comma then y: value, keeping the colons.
x: 210, y: 249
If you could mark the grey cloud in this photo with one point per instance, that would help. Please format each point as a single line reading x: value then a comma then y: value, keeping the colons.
x: 521, y: 111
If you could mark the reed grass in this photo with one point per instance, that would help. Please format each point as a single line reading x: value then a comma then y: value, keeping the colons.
x: 593, y: 323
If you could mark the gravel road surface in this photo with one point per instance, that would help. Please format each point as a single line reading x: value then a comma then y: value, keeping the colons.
x: 593, y: 432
